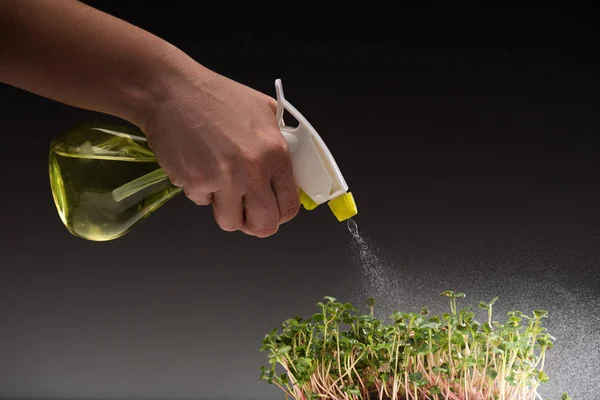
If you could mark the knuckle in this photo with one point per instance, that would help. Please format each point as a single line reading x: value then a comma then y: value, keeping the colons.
x: 254, y: 162
x: 226, y: 172
x: 199, y: 198
x: 271, y: 102
x: 225, y: 165
x: 231, y: 175
x: 271, y: 152
x: 176, y: 175
x: 284, y: 174
x: 277, y: 149
x: 202, y: 181
x: 256, y: 174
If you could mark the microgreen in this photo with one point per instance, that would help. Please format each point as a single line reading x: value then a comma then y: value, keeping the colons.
x: 338, y: 353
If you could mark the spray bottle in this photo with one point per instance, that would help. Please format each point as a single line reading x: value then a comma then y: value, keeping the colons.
x: 105, y: 179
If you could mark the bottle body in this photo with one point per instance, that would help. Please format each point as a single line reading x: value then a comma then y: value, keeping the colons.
x: 105, y: 179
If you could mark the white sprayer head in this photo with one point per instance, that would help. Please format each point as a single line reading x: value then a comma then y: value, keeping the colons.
x: 316, y: 171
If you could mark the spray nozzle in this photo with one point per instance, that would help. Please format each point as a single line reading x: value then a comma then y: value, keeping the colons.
x: 318, y: 175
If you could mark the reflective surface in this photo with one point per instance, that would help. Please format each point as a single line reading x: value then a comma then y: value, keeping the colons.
x: 104, y: 180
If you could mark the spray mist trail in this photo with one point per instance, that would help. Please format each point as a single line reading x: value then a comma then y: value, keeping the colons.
x: 377, y: 279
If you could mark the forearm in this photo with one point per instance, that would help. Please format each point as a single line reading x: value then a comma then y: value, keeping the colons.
x: 77, y: 55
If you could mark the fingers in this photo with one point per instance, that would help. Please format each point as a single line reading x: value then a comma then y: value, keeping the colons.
x: 228, y: 210
x: 284, y: 182
x: 248, y: 179
x: 261, y: 211
x: 286, y: 191
x: 273, y: 199
x: 228, y: 207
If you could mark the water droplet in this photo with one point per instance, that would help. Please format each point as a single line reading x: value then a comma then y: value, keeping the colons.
x: 352, y: 227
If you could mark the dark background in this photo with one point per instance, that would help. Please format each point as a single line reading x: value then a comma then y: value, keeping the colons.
x: 468, y: 140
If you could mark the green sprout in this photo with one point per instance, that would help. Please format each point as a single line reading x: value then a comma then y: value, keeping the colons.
x: 339, y: 354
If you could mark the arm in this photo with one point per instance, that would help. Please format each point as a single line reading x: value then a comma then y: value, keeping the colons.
x: 75, y: 54
x: 215, y: 138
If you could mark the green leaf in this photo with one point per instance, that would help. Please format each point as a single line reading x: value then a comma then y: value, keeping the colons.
x: 509, y: 345
x: 457, y: 339
x: 397, y: 316
x: 424, y: 349
x: 495, y: 299
x: 467, y: 315
x: 421, y: 383
x: 415, y: 376
x: 540, y: 313
x: 462, y: 328
x: 447, y: 293
x: 440, y: 370
x: 416, y: 379
x: 318, y: 317
x: 543, y: 342
x: 483, y: 305
x: 514, y: 321
x: 470, y: 361
x: 435, y: 390
x: 284, y: 378
x: 511, y: 380
x: 543, y: 377
x: 487, y: 328
x: 430, y: 325
x: 351, y: 390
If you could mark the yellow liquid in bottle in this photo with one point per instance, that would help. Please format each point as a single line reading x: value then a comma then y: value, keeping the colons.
x: 105, y: 179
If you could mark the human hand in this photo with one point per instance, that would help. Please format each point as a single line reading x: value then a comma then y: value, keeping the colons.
x: 218, y: 140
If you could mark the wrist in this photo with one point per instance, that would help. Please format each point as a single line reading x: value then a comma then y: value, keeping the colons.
x: 157, y: 83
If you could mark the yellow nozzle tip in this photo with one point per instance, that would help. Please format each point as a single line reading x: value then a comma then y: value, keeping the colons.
x: 343, y: 207
x: 306, y: 201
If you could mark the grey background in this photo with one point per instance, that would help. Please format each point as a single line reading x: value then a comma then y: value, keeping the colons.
x: 471, y: 154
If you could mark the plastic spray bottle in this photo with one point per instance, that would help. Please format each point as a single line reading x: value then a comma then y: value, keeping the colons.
x: 105, y: 179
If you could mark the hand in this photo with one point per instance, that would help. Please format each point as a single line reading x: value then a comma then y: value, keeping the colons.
x: 218, y: 140
x: 215, y: 138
